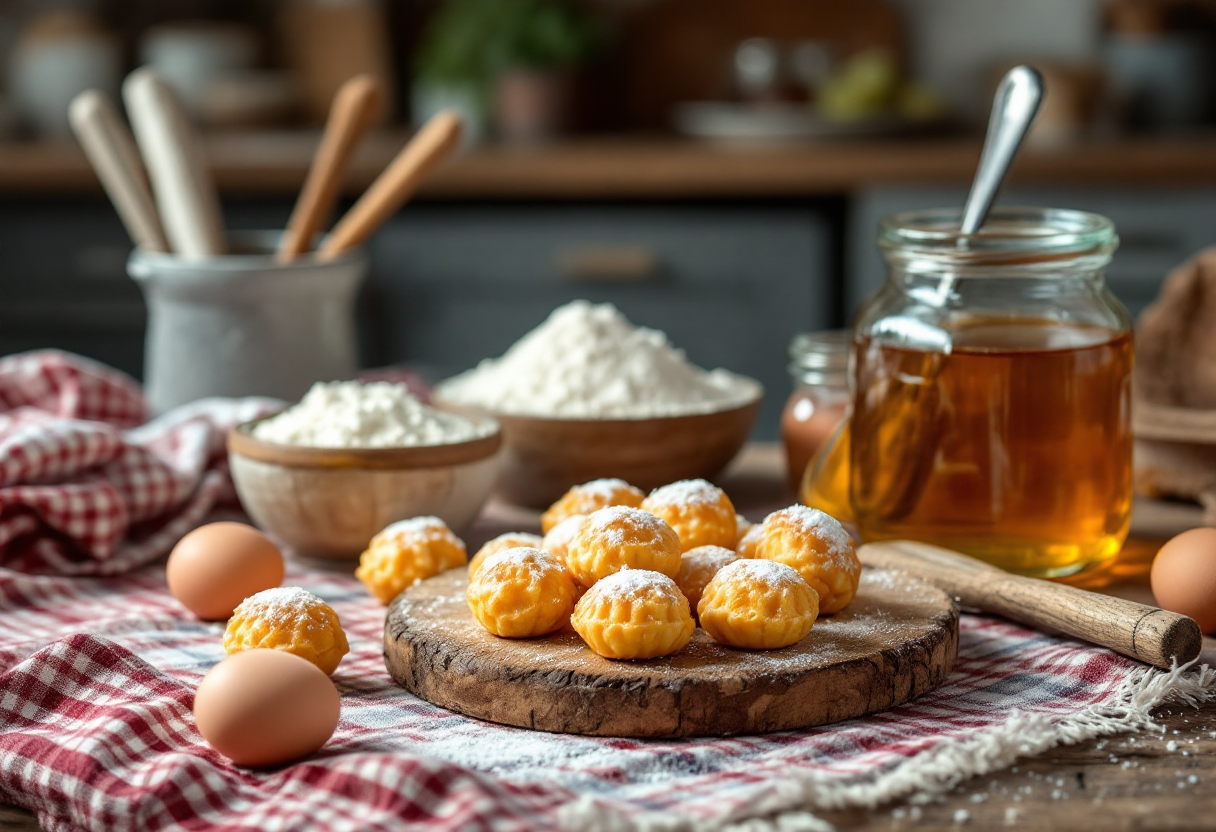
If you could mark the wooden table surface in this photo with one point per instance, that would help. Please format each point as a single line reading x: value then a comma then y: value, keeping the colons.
x: 648, y: 167
x: 1158, y: 780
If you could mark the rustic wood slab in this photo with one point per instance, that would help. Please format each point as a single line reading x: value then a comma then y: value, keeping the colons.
x: 897, y: 640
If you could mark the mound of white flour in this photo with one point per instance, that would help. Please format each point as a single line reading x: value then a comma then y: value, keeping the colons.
x: 587, y: 361
x: 348, y: 414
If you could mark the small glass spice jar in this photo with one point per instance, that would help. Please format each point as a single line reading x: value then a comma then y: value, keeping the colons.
x: 819, y: 366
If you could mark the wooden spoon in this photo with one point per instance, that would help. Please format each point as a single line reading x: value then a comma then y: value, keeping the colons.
x: 111, y: 149
x: 185, y: 193
x: 1146, y: 633
x: 354, y: 108
x: 429, y: 146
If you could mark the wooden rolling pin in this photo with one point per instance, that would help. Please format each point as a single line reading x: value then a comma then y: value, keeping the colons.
x: 429, y: 146
x: 185, y: 193
x: 111, y: 150
x: 1142, y: 632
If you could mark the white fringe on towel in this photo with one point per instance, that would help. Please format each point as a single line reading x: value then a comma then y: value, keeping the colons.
x: 786, y: 805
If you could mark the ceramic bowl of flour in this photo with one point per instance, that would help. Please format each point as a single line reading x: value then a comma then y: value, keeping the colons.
x: 542, y: 458
x: 328, y: 502
x: 588, y: 395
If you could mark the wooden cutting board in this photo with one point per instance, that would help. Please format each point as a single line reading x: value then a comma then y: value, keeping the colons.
x: 897, y: 640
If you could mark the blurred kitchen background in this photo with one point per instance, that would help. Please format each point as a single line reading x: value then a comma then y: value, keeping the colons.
x: 715, y: 168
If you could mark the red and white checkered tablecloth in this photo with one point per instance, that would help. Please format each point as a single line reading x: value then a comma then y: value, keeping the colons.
x: 86, y: 487
x: 97, y: 677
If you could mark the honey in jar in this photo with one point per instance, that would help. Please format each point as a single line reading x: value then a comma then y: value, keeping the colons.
x: 992, y: 393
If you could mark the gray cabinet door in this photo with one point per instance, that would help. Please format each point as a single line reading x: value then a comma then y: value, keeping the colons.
x: 1158, y: 229
x: 730, y: 286
x: 64, y: 282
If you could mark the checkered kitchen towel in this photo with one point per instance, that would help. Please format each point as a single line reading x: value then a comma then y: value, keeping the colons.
x: 97, y: 677
x: 86, y: 488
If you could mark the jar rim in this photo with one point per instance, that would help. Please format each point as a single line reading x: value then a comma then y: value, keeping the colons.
x: 1016, y: 231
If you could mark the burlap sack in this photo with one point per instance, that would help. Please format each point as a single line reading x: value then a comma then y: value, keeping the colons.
x: 1176, y: 338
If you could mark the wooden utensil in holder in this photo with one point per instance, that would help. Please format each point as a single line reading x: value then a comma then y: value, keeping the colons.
x: 354, y: 109
x: 429, y: 146
x: 111, y: 149
x: 185, y: 193
x: 1141, y: 632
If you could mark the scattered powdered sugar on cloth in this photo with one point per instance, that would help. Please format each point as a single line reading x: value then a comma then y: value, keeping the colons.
x: 350, y: 414
x: 588, y: 361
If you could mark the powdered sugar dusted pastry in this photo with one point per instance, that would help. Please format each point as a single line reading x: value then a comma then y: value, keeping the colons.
x: 521, y: 593
x: 818, y: 547
x: 590, y: 497
x: 758, y: 605
x: 634, y: 614
x: 697, y: 568
x: 742, y: 525
x: 746, y: 547
x: 699, y: 511
x: 621, y: 537
x: 291, y: 619
x: 408, y: 552
x: 510, y: 540
x: 557, y: 540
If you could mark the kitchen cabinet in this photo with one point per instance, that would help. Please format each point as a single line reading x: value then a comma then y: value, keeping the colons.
x: 452, y: 284
x: 1158, y: 227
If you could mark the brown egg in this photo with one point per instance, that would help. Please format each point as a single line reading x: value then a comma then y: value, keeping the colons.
x: 1184, y: 576
x: 266, y: 707
x: 217, y: 566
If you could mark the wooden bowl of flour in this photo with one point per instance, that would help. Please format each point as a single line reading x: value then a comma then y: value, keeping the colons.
x: 543, y: 457
x: 330, y: 502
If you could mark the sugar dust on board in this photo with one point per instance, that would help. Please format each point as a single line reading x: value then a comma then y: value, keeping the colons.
x: 1014, y: 447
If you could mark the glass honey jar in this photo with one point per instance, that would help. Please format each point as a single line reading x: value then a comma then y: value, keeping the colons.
x: 991, y: 392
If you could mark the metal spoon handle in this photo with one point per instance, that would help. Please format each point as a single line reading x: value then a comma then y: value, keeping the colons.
x: 1013, y: 110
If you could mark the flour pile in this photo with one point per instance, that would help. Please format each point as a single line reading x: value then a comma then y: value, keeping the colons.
x: 587, y: 361
x: 348, y: 414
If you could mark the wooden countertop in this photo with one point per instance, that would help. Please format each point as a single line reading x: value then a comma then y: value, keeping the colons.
x: 1134, y: 781
x: 640, y: 167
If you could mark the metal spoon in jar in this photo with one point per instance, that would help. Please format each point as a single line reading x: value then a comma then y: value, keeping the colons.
x: 1014, y: 107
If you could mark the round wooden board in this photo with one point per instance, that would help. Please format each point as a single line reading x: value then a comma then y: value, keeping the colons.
x: 897, y: 640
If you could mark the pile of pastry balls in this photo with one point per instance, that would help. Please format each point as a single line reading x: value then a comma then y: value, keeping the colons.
x: 271, y: 700
x: 633, y: 574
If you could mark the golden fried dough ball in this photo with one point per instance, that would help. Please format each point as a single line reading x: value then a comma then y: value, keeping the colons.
x: 621, y: 537
x: 758, y: 605
x: 510, y: 540
x: 697, y: 567
x: 557, y: 539
x: 521, y: 593
x: 590, y: 497
x: 291, y: 619
x: 742, y: 524
x: 746, y: 547
x: 634, y: 614
x: 817, y: 546
x: 699, y: 511
x: 408, y: 552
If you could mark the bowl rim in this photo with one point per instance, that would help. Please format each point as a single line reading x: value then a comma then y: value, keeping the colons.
x: 503, y: 417
x: 242, y: 442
